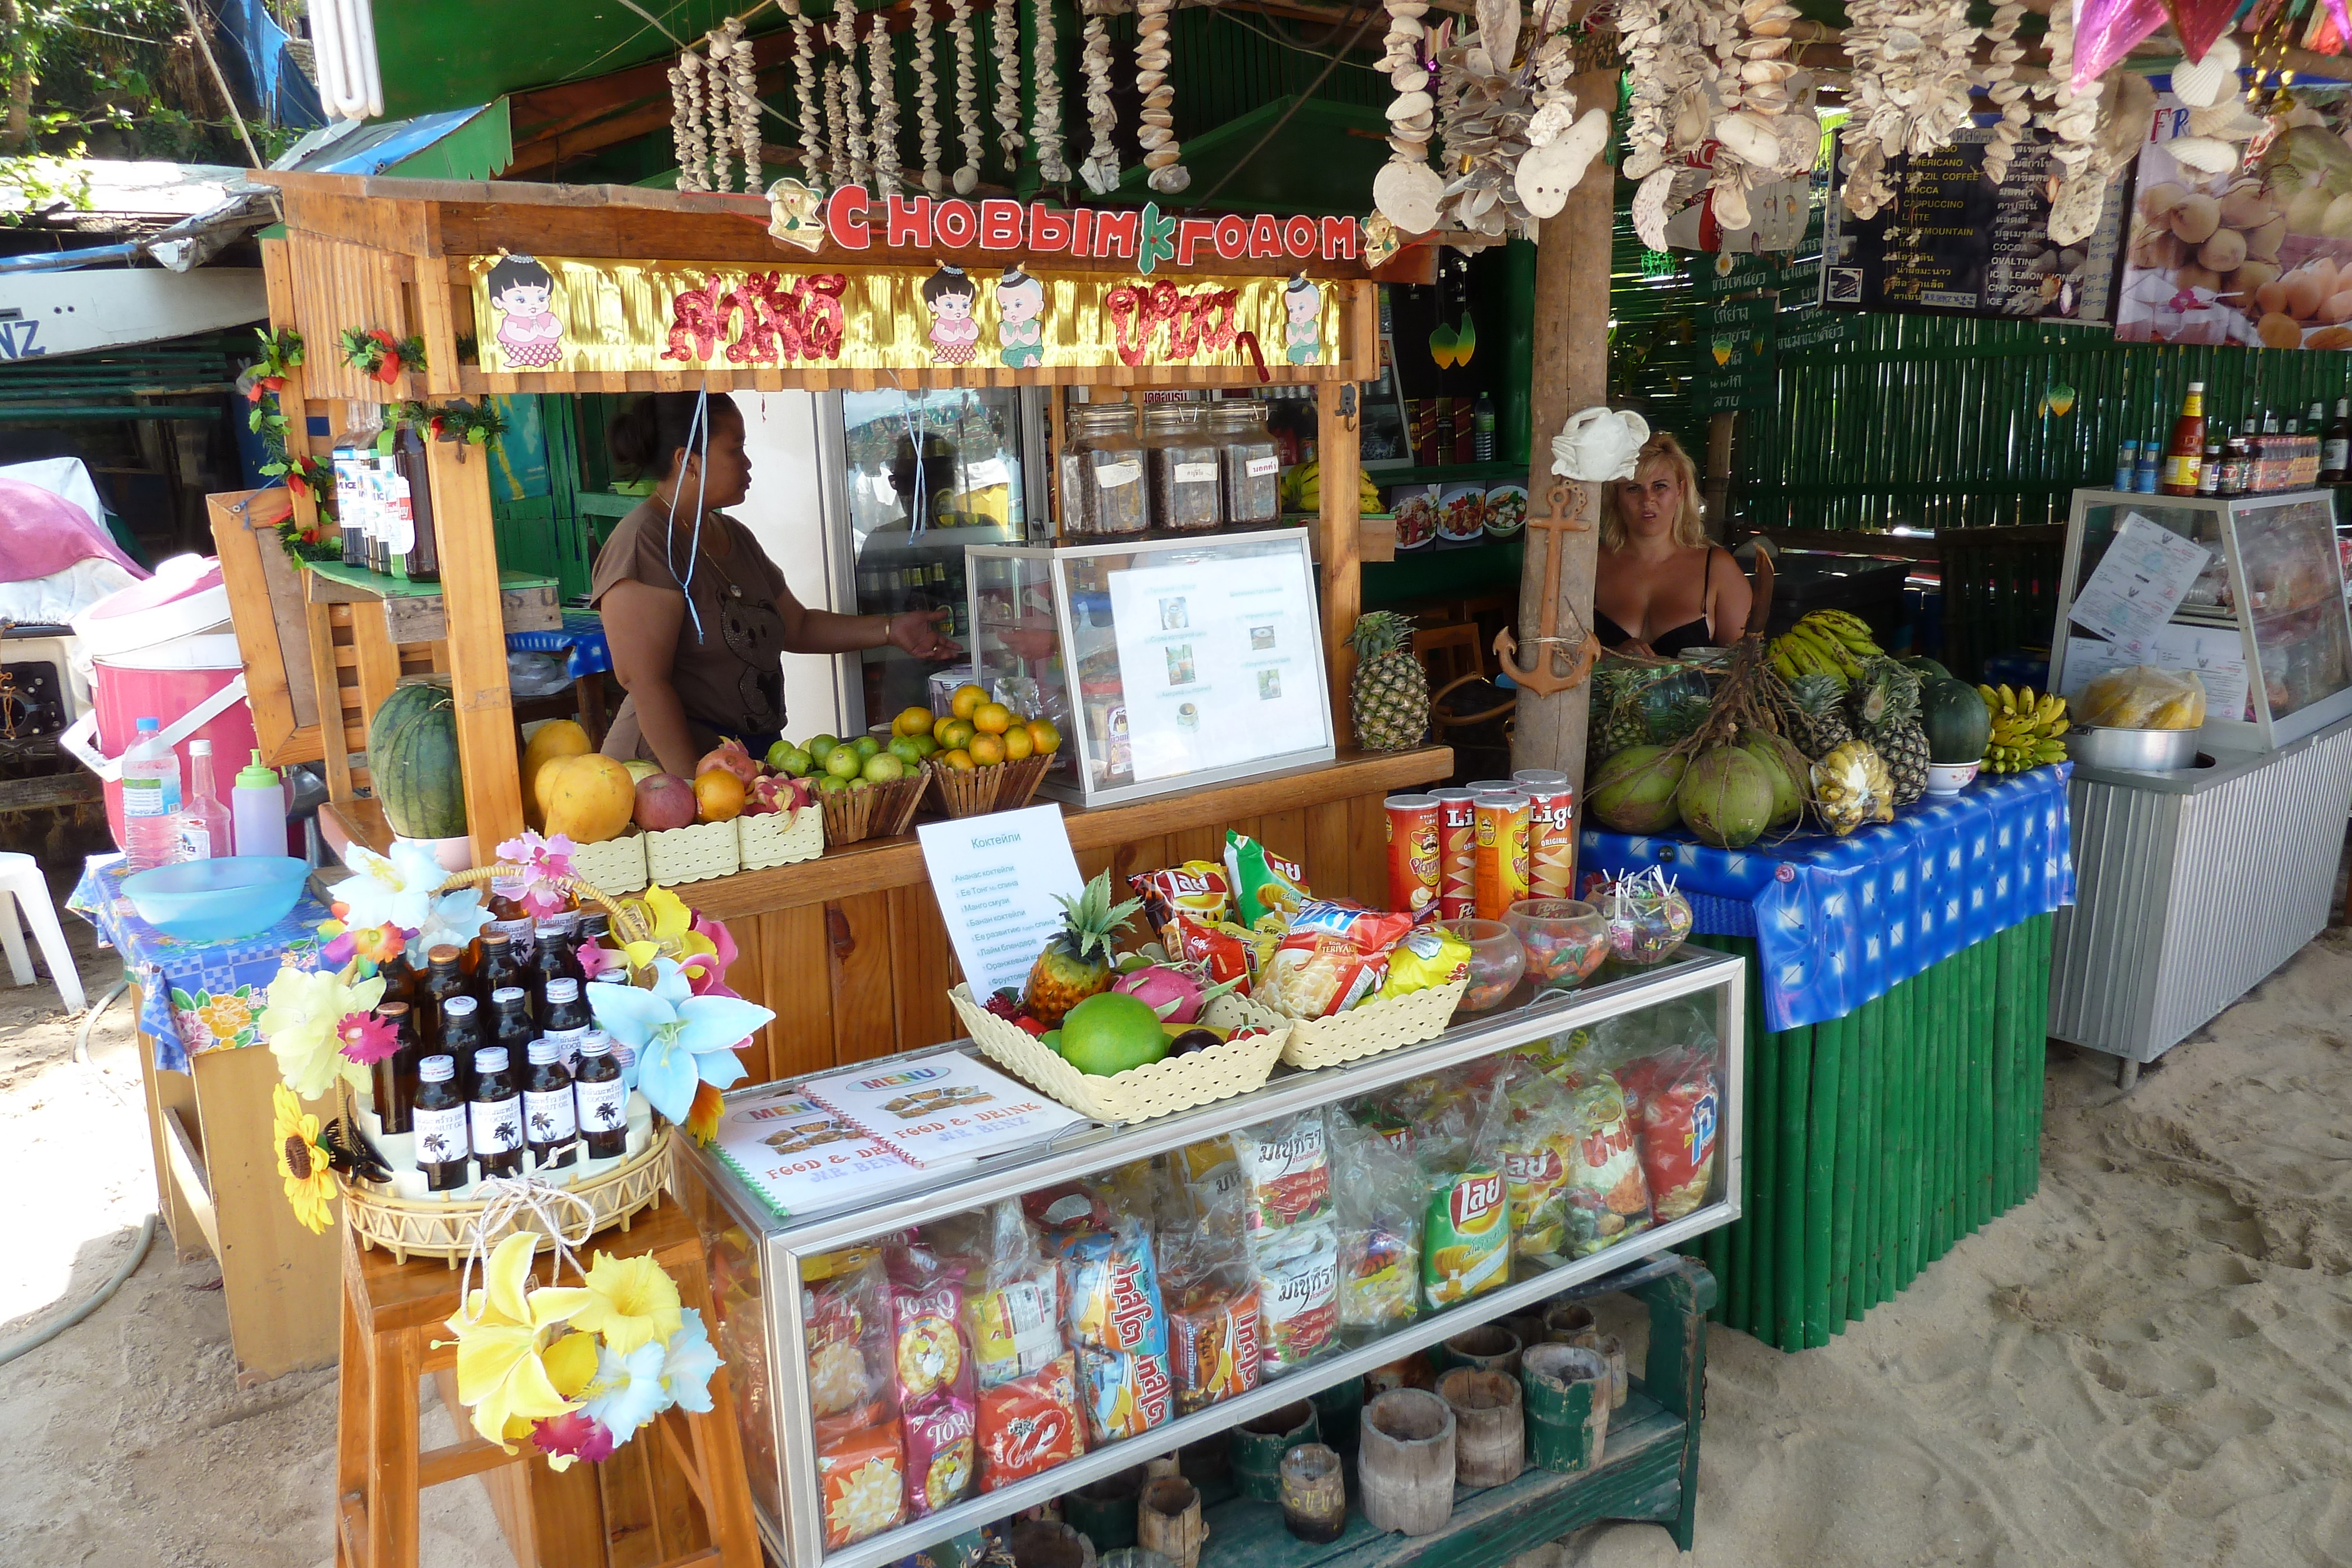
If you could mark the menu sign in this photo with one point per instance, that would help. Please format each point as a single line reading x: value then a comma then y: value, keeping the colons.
x: 1953, y: 243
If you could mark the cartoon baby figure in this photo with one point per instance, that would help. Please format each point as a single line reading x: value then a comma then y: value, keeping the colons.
x: 1302, y: 302
x: 530, y: 333
x: 955, y: 336
x: 1020, y: 304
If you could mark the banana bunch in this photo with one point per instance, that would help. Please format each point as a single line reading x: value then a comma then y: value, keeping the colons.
x: 2028, y: 728
x: 1302, y: 488
x: 1832, y: 642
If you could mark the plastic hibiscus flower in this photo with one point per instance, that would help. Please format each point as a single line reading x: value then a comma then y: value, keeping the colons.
x: 310, y: 1181
x: 628, y: 1390
x: 680, y: 1038
x: 502, y: 1376
x: 576, y: 1435
x: 688, y: 1362
x: 366, y: 1039
x: 456, y: 919
x: 378, y: 945
x: 543, y: 861
x: 397, y: 888
x: 675, y: 936
x: 632, y: 1302
x: 302, y: 1023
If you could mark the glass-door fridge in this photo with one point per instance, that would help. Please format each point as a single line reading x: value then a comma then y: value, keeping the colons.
x: 913, y: 479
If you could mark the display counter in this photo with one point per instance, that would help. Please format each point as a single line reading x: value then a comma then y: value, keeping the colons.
x: 863, y: 916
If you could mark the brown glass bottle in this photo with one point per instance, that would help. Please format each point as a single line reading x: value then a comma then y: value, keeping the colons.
x: 443, y: 1144
x: 602, y: 1098
x: 399, y: 981
x: 501, y: 967
x: 461, y: 1036
x: 510, y: 918
x: 394, y: 1077
x: 565, y: 1019
x: 445, y: 976
x: 510, y: 1024
x: 552, y: 958
x: 424, y: 552
x: 550, y: 1125
x: 494, y: 1115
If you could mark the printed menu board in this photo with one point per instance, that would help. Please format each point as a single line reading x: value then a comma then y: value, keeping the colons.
x: 1953, y: 243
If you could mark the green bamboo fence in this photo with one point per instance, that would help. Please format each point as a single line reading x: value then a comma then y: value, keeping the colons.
x: 1877, y: 1141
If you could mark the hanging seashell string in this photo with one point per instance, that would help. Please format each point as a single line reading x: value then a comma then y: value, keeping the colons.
x: 1909, y: 90
x: 808, y: 92
x: 1100, y: 169
x: 1407, y: 190
x: 1045, y: 129
x: 883, y: 82
x: 927, y: 96
x: 685, y: 123
x: 2074, y: 118
x: 836, y: 129
x: 968, y: 126
x: 1163, y: 153
x: 1006, y: 41
x: 720, y: 98
x: 853, y: 118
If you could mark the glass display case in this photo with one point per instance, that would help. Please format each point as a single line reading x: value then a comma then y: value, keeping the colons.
x: 2262, y: 624
x: 974, y: 1341
x: 1168, y: 663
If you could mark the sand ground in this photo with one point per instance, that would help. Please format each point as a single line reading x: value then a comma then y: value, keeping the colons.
x: 2145, y: 1365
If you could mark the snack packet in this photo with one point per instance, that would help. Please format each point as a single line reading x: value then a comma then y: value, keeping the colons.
x: 1297, y: 1297
x: 1011, y: 1302
x: 1373, y: 930
x: 1537, y: 1151
x: 1286, y: 1165
x: 1673, y: 1100
x: 2142, y: 697
x: 1608, y: 1200
x: 1311, y: 975
x: 1125, y: 1394
x: 1466, y: 1231
x: 844, y: 1307
x: 1226, y: 951
x: 933, y: 1365
x: 1030, y: 1425
x: 1110, y: 1291
x: 1424, y: 958
x: 942, y: 1455
x: 1197, y: 890
x: 860, y: 1483
x: 1263, y: 883
x: 1378, y: 1199
x: 927, y: 1339
x: 1213, y: 1347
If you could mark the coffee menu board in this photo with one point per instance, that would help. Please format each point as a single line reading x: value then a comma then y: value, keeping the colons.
x: 1951, y: 243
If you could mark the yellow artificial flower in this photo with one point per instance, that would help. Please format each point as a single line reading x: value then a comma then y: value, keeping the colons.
x: 674, y: 934
x: 632, y: 1302
x: 570, y: 1364
x: 311, y: 1183
x: 502, y: 1375
x: 306, y: 1007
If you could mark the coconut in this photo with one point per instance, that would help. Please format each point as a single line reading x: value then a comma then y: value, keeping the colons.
x: 1727, y: 797
x: 1790, y: 770
x: 1633, y: 792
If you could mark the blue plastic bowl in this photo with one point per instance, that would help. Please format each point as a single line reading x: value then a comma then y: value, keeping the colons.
x: 217, y: 900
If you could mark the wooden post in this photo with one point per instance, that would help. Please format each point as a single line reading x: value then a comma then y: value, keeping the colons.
x: 478, y: 644
x: 1343, y: 586
x: 1570, y: 372
x: 1717, y: 489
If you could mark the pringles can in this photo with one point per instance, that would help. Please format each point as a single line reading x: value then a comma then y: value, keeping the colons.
x: 1415, y: 858
x: 1499, y: 872
x: 1551, y: 832
x: 1457, y: 848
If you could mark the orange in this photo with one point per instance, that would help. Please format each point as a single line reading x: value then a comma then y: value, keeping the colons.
x: 987, y: 751
x: 992, y: 719
x: 964, y: 699
x: 939, y: 727
x: 957, y: 735
x: 958, y: 758
x: 912, y: 721
x: 1017, y: 743
x: 718, y: 796
x: 1042, y: 736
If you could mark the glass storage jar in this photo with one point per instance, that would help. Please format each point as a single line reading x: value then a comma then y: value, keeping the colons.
x: 1249, y: 462
x: 1180, y: 458
x: 1101, y: 472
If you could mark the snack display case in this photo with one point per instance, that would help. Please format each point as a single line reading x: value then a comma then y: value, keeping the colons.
x: 1168, y: 663
x: 910, y: 1364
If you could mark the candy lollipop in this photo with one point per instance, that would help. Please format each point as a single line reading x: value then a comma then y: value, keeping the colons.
x: 1649, y: 917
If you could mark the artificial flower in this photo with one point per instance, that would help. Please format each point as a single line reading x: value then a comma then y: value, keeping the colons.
x: 310, y: 1181
x: 674, y: 933
x: 706, y: 973
x: 307, y: 1007
x: 702, y: 1121
x: 688, y: 1362
x: 397, y: 888
x: 367, y: 1039
x: 454, y: 921
x: 502, y: 1376
x: 628, y: 1390
x: 543, y: 861
x: 594, y: 960
x: 680, y: 1038
x: 571, y: 1363
x: 632, y: 1300
x: 576, y: 1435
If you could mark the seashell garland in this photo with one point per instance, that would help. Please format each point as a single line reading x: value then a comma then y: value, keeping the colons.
x: 836, y: 136
x: 2203, y: 84
x: 1006, y: 30
x: 743, y: 80
x: 1046, y: 128
x: 1163, y: 153
x: 883, y: 78
x: 1100, y: 170
x: 2074, y: 118
x: 1909, y: 90
x: 2008, y: 94
x: 808, y: 91
x: 1407, y: 190
x: 927, y: 96
x: 968, y: 128
x: 685, y: 123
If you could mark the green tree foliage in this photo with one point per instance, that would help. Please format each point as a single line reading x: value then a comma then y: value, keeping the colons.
x: 109, y: 78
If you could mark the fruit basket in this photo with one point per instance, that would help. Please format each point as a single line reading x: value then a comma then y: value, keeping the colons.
x: 780, y: 838
x: 1156, y: 1089
x: 1373, y: 1028
x: 1018, y: 785
x: 616, y: 865
x: 695, y: 853
x: 871, y: 810
x: 966, y: 793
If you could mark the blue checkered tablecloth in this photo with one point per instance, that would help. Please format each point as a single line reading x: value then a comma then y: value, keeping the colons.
x: 194, y: 995
x: 580, y: 641
x: 1838, y: 922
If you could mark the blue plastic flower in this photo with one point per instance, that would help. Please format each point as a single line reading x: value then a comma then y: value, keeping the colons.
x: 628, y: 1391
x: 680, y: 1038
x: 688, y: 1362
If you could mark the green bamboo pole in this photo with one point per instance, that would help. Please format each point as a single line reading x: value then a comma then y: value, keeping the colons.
x: 1905, y: 1159
x: 1947, y: 1102
x: 1882, y: 1214
x: 1867, y: 1185
x: 1821, y: 1177
x: 1751, y: 1252
x: 1847, y: 1182
x: 1972, y: 1107
x: 1791, y: 1180
x: 2038, y: 1031
x: 2009, y: 1004
x: 1931, y: 1126
x: 1988, y: 1029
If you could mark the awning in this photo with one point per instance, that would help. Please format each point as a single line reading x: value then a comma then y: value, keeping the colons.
x: 453, y: 144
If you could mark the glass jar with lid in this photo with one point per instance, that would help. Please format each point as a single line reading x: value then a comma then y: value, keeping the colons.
x: 1101, y: 472
x: 1180, y: 457
x: 1249, y: 462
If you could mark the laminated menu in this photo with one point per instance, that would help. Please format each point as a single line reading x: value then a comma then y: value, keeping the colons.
x: 941, y: 1110
x: 802, y: 1157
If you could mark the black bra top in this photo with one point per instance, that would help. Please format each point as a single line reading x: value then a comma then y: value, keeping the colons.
x: 1665, y: 645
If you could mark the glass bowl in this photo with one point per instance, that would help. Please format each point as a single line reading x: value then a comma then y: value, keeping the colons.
x: 1565, y: 939
x: 1653, y: 933
x: 217, y: 900
x: 1495, y: 962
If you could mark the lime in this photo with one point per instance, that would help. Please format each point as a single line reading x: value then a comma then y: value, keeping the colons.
x: 866, y: 746
x: 832, y: 784
x: 819, y: 746
x: 786, y: 757
x: 843, y: 762
x: 925, y: 746
x: 905, y: 749
x: 884, y: 769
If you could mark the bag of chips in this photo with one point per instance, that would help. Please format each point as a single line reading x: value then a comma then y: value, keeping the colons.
x: 1110, y: 1290
x: 942, y: 1455
x: 1538, y: 1147
x: 1011, y: 1302
x: 860, y: 1480
x: 1213, y: 1345
x: 1608, y: 1200
x: 844, y: 1307
x: 1378, y: 1199
x: 932, y: 1363
x: 1226, y: 951
x: 1425, y: 957
x: 1263, y: 883
x: 1466, y: 1232
x: 1125, y: 1394
x: 1286, y: 1165
x: 1311, y: 975
x: 1030, y: 1425
x: 1673, y: 1101
x: 1197, y: 890
x: 1298, y: 1296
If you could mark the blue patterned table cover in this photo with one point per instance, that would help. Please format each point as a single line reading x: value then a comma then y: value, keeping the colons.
x: 1838, y: 922
x: 580, y: 641
x: 194, y: 995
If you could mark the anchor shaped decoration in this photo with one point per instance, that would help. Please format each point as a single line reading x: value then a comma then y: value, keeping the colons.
x: 1542, y: 677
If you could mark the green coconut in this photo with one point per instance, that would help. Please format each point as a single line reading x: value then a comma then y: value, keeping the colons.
x: 1633, y: 792
x: 1726, y: 797
x: 1790, y: 768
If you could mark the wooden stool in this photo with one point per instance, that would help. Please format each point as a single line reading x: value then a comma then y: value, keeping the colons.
x: 1448, y: 653
x: 393, y: 1311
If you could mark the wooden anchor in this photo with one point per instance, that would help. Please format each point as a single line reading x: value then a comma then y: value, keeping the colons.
x: 1541, y: 677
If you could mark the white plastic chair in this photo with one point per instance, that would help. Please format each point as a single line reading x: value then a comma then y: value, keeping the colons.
x: 20, y: 876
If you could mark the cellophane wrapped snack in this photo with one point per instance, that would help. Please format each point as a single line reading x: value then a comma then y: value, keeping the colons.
x: 1676, y: 1108
x: 933, y: 1365
x: 1208, y: 1279
x: 1378, y: 1198
x: 1030, y: 1425
x: 1114, y: 1314
x: 860, y: 1477
x: 1422, y: 958
x: 1012, y: 1308
x: 1608, y: 1198
x: 1298, y: 1296
x: 1197, y: 890
x: 846, y: 1306
x: 1539, y: 1150
x: 1286, y: 1167
x: 1126, y: 1393
x: 1263, y: 883
x: 2143, y: 696
x: 1466, y: 1234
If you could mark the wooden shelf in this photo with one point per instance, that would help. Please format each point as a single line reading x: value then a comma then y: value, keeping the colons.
x: 413, y: 612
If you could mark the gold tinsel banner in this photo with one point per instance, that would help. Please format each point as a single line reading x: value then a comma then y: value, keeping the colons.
x: 559, y: 313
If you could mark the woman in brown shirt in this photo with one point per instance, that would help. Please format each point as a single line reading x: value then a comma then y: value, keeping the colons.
x: 697, y: 617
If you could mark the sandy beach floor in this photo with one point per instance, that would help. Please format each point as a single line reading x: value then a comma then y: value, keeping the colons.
x: 2146, y: 1366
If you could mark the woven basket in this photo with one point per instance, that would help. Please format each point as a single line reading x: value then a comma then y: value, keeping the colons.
x: 780, y: 838
x: 1373, y: 1028
x: 693, y: 854
x: 871, y: 811
x: 629, y: 921
x: 1021, y: 779
x: 962, y: 793
x: 405, y: 1227
x: 1156, y: 1089
x: 616, y: 865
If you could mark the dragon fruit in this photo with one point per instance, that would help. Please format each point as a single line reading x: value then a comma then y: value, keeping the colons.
x: 1177, y: 992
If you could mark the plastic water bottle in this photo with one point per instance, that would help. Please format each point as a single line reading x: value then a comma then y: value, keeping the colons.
x: 151, y: 799
x: 258, y: 806
x: 203, y: 822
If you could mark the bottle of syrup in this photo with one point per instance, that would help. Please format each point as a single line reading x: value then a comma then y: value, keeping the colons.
x: 494, y: 1115
x: 552, y: 959
x: 510, y: 918
x: 394, y: 1076
x: 442, y: 1145
x: 399, y: 978
x: 461, y: 1036
x: 565, y: 1019
x: 510, y: 1023
x: 2336, y: 449
x: 603, y: 1099
x: 501, y: 967
x: 445, y: 976
x: 2185, y: 453
x: 551, y: 1126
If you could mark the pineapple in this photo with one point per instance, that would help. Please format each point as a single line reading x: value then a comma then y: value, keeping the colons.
x: 1387, y: 698
x: 1075, y: 963
x: 1679, y: 719
x: 1818, y: 723
x: 1850, y: 788
x: 1885, y: 700
x: 1617, y: 713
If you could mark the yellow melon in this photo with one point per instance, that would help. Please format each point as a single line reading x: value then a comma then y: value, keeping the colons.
x: 556, y: 738
x: 590, y: 798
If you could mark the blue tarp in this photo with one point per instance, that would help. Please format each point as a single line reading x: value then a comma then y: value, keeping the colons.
x: 251, y: 49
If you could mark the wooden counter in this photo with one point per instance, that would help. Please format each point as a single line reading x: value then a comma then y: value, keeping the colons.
x: 850, y: 952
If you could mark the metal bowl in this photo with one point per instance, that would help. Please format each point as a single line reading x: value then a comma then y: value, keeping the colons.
x: 2147, y: 750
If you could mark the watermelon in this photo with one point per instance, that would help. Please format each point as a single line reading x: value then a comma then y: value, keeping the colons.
x: 1926, y: 668
x: 1954, y: 716
x: 412, y: 757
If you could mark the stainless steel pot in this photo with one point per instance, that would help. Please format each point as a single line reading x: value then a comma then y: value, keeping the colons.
x: 2147, y: 750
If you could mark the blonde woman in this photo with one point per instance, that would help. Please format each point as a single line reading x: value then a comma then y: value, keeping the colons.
x: 1662, y: 587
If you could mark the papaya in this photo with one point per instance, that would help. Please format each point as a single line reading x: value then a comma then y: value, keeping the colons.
x: 557, y: 738
x: 590, y: 798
